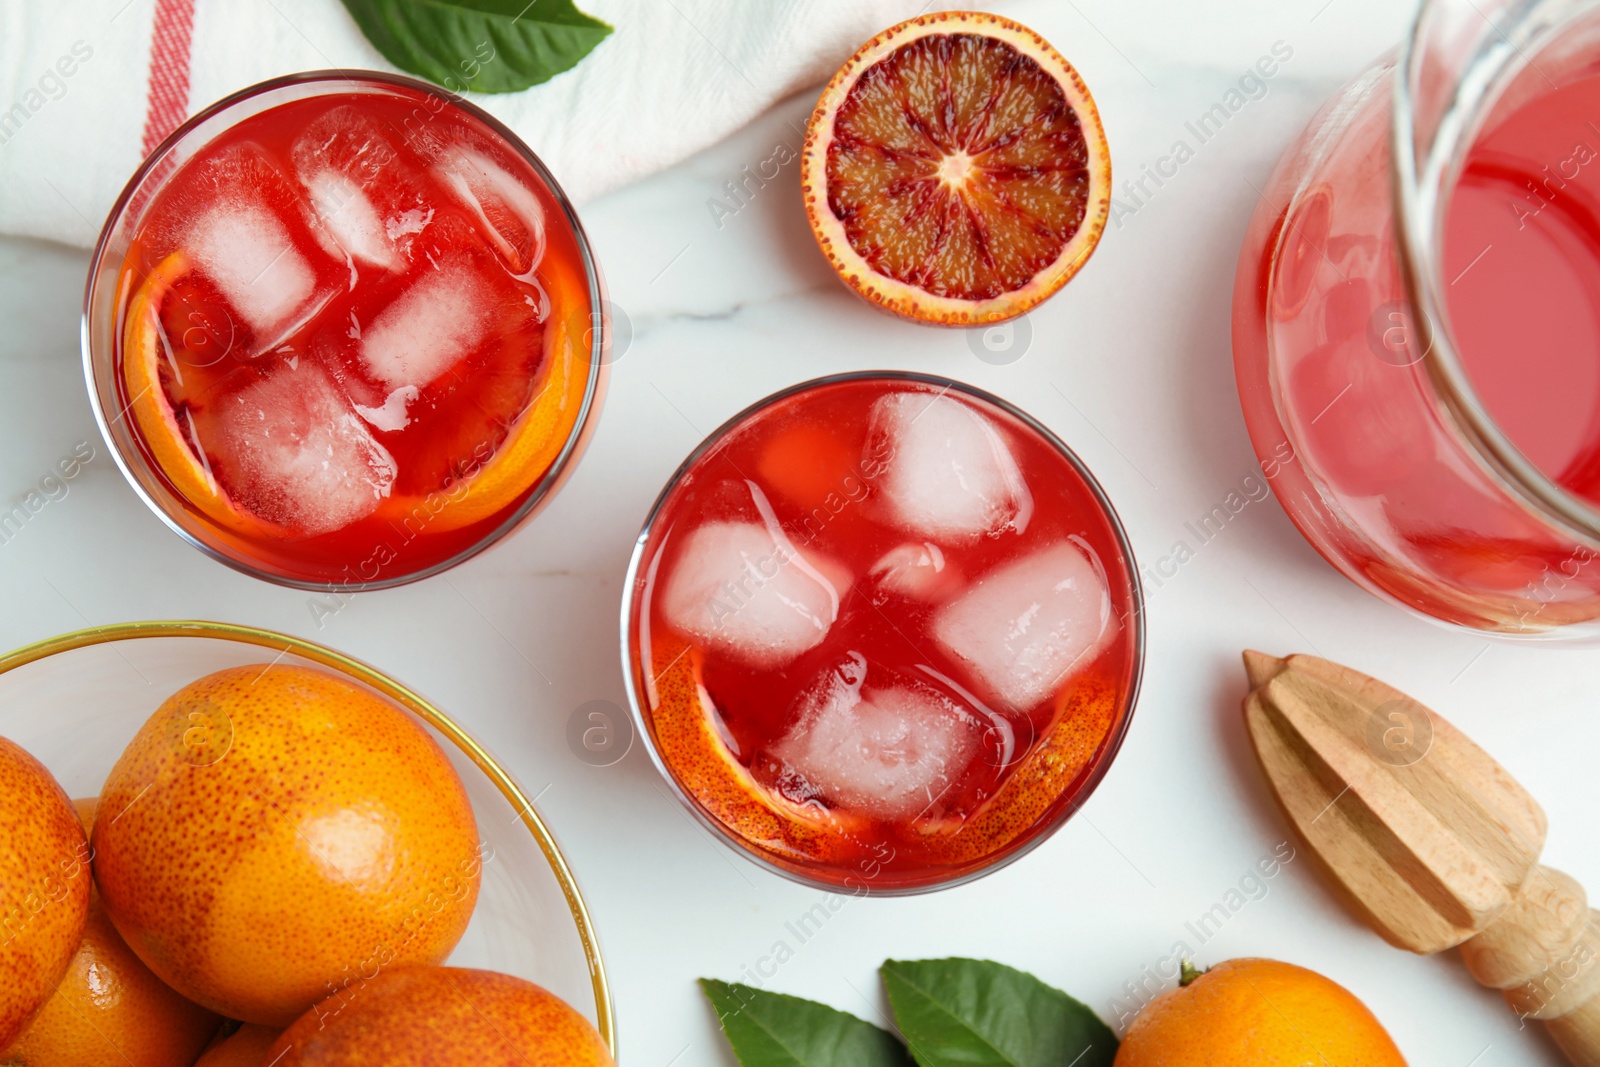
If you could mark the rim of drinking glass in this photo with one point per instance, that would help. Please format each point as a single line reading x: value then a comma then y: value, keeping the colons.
x: 599, y: 328
x: 407, y: 698
x: 1422, y: 188
x: 1111, y: 745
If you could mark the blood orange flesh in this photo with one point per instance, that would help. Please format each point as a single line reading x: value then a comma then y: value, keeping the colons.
x: 956, y: 171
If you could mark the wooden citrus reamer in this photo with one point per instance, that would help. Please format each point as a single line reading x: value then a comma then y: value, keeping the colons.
x: 1428, y: 838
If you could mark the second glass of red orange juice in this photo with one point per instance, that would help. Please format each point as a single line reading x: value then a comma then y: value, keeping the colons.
x: 883, y: 632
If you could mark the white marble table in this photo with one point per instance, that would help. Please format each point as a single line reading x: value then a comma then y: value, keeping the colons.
x: 1130, y: 364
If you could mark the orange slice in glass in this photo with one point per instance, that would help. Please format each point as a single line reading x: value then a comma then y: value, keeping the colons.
x: 955, y: 170
x: 1085, y: 716
x: 147, y: 365
x: 690, y: 743
x: 535, y: 440
x: 151, y: 380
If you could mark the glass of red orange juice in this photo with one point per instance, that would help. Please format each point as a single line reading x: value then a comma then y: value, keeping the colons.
x: 344, y: 329
x: 882, y: 633
x: 1417, y: 321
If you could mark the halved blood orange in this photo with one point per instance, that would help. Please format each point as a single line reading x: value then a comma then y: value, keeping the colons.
x: 150, y: 376
x: 955, y: 170
x: 690, y: 743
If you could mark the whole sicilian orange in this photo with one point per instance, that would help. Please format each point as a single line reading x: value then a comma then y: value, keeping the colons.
x: 109, y: 1008
x: 418, y: 1016
x: 44, y: 887
x: 245, y: 1047
x: 280, y: 832
x: 1257, y: 1012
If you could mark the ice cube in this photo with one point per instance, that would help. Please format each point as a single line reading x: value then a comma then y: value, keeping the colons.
x: 891, y: 752
x: 510, y: 213
x: 368, y: 195
x: 916, y: 570
x: 290, y: 449
x: 393, y: 415
x: 405, y: 223
x: 350, y: 222
x: 441, y: 319
x: 747, y: 591
x: 1023, y: 627
x: 249, y: 254
x: 243, y: 225
x: 348, y: 141
x: 945, y: 471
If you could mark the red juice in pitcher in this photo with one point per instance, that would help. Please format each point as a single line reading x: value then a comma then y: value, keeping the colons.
x: 883, y: 632
x: 1522, y: 256
x: 1416, y: 325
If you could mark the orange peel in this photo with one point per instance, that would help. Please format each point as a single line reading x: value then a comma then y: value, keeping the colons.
x: 689, y: 742
x: 1086, y: 715
x: 144, y: 346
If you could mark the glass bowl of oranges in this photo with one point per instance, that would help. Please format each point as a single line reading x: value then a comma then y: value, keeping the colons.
x: 272, y: 824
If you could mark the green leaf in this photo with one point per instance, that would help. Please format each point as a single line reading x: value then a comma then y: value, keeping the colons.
x: 488, y: 46
x: 973, y: 1013
x: 773, y: 1030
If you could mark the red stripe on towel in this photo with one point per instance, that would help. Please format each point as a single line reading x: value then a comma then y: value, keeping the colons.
x: 169, y: 70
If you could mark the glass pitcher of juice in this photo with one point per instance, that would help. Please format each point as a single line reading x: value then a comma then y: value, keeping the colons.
x: 1416, y: 321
